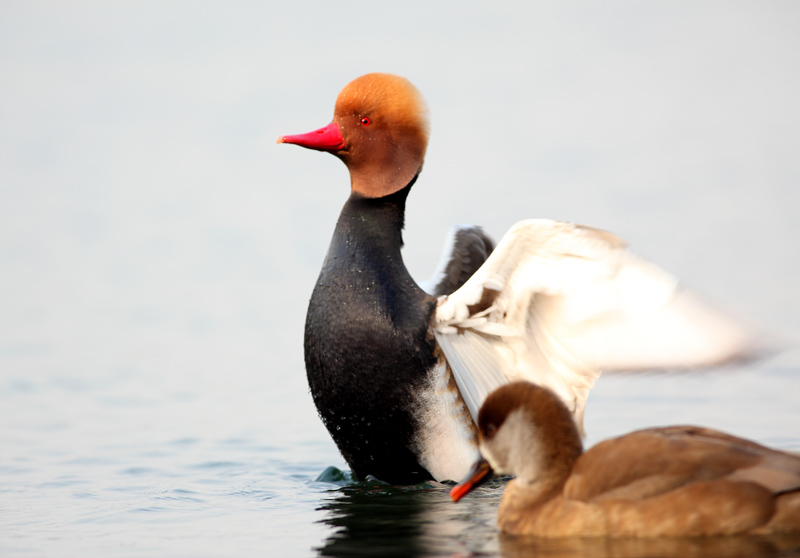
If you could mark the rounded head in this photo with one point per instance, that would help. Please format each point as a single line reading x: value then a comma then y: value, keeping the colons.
x: 384, y: 121
x: 384, y: 102
x: 380, y: 130
x: 527, y: 431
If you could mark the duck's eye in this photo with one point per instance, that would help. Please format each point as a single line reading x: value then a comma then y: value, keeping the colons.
x: 366, y: 121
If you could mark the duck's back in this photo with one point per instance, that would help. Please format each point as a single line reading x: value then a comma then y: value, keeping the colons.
x: 368, y: 348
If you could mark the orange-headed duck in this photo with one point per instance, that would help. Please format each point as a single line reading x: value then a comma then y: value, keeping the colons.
x: 672, y: 481
x: 398, y: 374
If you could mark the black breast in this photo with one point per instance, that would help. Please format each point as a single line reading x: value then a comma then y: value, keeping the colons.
x: 367, y: 343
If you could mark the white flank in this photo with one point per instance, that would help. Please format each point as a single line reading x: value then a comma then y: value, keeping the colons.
x: 446, y: 443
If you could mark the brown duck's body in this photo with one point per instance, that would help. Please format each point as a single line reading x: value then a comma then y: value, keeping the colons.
x: 678, y: 481
x: 673, y: 481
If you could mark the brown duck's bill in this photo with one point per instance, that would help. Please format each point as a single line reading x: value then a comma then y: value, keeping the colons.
x: 327, y: 138
x: 480, y: 473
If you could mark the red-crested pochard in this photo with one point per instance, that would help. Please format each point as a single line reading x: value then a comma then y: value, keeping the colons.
x: 672, y: 481
x: 398, y: 373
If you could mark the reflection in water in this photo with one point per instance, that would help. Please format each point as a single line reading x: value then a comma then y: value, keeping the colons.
x: 379, y: 520
x: 420, y: 520
x: 373, y: 520
x: 712, y: 547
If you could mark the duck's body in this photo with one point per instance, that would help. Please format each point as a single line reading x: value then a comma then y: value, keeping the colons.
x: 398, y: 374
x: 377, y: 377
x: 368, y: 346
x: 674, y: 481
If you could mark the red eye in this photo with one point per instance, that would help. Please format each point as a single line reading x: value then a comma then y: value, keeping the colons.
x: 366, y: 121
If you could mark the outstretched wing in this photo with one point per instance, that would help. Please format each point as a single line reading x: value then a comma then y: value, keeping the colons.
x: 465, y: 250
x: 556, y: 303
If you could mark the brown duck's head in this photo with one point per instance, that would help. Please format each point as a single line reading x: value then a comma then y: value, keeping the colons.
x: 523, y: 430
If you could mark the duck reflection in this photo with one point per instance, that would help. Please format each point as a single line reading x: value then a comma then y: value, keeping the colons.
x: 381, y: 521
x: 419, y: 520
x: 371, y: 519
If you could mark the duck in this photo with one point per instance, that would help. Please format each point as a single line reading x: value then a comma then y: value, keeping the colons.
x: 398, y: 372
x: 686, y: 481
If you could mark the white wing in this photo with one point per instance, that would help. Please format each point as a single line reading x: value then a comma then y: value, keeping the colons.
x: 556, y: 303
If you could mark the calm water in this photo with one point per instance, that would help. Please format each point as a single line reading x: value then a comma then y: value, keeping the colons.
x: 178, y: 464
x: 157, y: 249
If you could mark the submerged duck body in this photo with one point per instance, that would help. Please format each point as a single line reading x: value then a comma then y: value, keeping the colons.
x: 398, y: 374
x: 673, y: 481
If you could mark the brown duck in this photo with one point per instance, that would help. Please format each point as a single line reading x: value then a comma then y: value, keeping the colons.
x: 672, y: 481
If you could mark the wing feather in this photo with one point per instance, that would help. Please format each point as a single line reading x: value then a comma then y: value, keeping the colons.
x: 465, y: 250
x: 555, y: 303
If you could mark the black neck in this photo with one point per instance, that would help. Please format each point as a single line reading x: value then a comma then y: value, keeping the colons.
x: 381, y: 219
x: 365, y: 252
